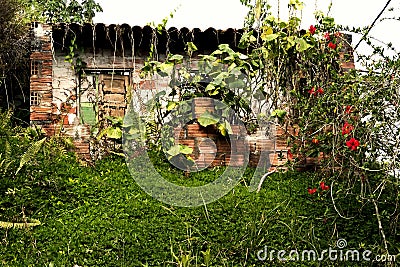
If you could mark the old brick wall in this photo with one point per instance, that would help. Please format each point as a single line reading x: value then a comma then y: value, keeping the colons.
x: 56, y: 89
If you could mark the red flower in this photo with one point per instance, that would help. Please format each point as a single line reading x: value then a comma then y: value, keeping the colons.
x: 312, y: 191
x: 312, y: 91
x: 312, y: 29
x: 315, y: 141
x: 349, y: 109
x: 289, y: 155
x: 352, y: 144
x: 332, y: 45
x: 347, y: 128
x: 323, y: 186
x: 327, y: 36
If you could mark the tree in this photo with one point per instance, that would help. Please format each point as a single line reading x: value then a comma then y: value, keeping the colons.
x: 66, y: 11
x: 14, y: 52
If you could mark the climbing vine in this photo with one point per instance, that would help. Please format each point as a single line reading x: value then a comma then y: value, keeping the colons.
x: 347, y: 120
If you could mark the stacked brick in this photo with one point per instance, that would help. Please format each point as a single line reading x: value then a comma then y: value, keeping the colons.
x: 210, y: 148
x: 53, y: 118
x: 41, y: 75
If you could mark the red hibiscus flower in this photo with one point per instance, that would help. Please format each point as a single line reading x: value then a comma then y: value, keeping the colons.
x: 315, y: 141
x: 352, y: 144
x: 347, y: 128
x: 327, y: 36
x: 312, y: 190
x: 349, y: 109
x: 312, y: 91
x: 332, y: 45
x: 323, y: 186
x: 312, y: 29
x: 289, y: 155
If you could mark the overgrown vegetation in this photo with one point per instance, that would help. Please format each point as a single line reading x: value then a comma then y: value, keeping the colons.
x: 100, y: 216
x: 71, y: 214
x: 15, y: 46
x: 348, y: 120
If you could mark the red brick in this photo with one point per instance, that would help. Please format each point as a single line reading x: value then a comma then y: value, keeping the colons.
x: 147, y: 85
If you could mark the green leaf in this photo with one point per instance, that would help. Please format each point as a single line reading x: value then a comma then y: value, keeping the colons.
x: 160, y: 94
x: 290, y: 42
x: 165, y: 69
x: 191, y: 47
x: 238, y: 83
x: 176, y: 58
x: 225, y: 128
x: 210, y: 87
x: 174, y: 151
x: 207, y: 119
x: 269, y: 37
x: 115, y: 120
x: 185, y: 149
x: 114, y: 133
x: 179, y: 149
x: 298, y: 5
x: 302, y: 44
x: 171, y: 105
x: 246, y: 39
x: 279, y: 113
x: 30, y: 154
x: 225, y: 48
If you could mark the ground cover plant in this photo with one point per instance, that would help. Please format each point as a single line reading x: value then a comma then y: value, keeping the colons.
x: 98, y: 216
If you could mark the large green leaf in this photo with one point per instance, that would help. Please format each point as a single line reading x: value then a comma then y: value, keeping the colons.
x: 207, y: 119
x: 302, y: 45
x: 165, y: 69
x: 185, y: 149
x: 174, y: 151
x: 225, y: 48
x: 176, y: 58
x: 114, y: 133
x: 269, y: 37
x: 179, y: 149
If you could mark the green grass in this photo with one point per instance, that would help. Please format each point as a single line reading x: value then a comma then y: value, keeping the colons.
x: 99, y: 216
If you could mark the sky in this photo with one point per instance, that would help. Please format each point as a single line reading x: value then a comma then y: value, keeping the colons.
x: 223, y: 14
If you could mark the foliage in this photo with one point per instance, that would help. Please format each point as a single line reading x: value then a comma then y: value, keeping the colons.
x: 57, y: 11
x: 23, y: 153
x: 14, y: 60
x: 348, y: 120
x: 99, y: 216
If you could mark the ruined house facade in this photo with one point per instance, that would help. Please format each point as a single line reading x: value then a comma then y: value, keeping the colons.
x: 69, y: 99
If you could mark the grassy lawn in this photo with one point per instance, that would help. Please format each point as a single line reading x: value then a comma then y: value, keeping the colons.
x: 100, y: 217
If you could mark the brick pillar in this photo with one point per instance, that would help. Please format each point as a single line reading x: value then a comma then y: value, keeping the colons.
x: 41, y: 95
